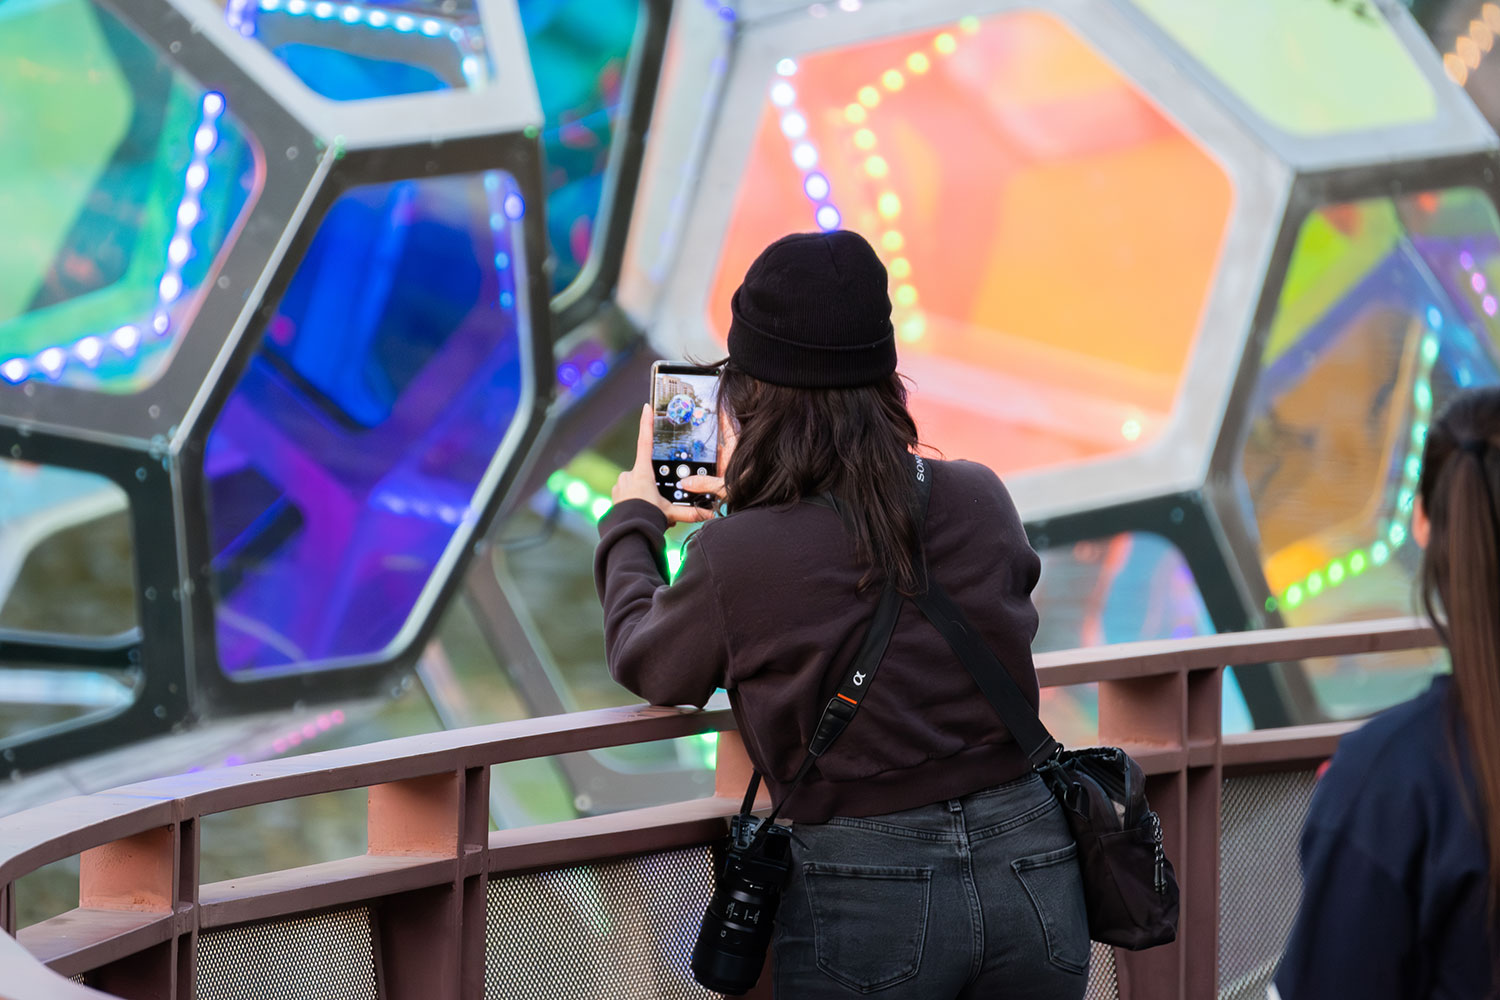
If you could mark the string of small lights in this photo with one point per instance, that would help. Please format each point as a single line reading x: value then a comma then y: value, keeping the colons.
x: 1470, y: 49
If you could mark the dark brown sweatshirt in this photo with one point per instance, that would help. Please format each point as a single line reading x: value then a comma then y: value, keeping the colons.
x: 767, y: 606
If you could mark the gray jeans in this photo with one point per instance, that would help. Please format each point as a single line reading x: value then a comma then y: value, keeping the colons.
x: 971, y: 898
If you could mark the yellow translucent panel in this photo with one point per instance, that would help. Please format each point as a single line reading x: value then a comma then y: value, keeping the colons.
x: 1050, y: 234
x: 1308, y: 67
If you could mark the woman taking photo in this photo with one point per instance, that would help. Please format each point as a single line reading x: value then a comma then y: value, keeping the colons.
x: 1401, y: 875
x: 928, y: 861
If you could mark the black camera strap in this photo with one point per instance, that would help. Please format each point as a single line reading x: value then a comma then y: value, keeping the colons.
x: 860, y: 675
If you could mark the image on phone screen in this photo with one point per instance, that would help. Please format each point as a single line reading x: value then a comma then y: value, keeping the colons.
x: 685, y: 428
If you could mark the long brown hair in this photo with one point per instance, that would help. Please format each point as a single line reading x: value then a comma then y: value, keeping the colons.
x: 799, y: 444
x: 1461, y: 585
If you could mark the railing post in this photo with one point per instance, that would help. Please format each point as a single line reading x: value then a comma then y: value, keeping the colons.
x: 474, y: 870
x: 136, y: 874
x: 421, y: 944
x: 1151, y: 712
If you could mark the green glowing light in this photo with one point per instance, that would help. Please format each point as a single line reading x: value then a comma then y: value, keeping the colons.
x: 1419, y: 433
x: 969, y: 24
x: 557, y: 481
x: 577, y: 493
x: 1429, y: 348
x: 674, y: 563
x: 1314, y: 584
x: 1293, y: 596
x: 600, y: 507
x: 1397, y: 535
x: 1336, y: 573
x: 1414, y: 467
x: 1357, y: 563
x: 1379, y: 553
x: 1404, y: 500
x: 1423, y: 396
x: 1270, y: 604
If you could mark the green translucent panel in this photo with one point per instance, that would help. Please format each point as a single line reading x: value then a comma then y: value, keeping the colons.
x: 67, y: 107
x: 121, y: 180
x: 1308, y: 67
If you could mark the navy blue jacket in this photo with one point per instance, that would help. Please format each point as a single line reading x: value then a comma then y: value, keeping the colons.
x: 1394, y: 868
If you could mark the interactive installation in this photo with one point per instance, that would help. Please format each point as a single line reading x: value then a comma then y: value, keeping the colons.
x: 280, y: 326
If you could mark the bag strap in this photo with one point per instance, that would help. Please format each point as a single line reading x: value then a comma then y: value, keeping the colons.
x: 995, y: 682
x: 860, y: 675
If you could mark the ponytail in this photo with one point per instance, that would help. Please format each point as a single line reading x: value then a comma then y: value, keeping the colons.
x: 1461, y: 589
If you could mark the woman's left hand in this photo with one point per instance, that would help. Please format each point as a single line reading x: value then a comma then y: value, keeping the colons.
x: 639, y: 481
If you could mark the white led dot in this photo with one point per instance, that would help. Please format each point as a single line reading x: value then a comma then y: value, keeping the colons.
x: 350, y: 14
x: 213, y: 105
x: 51, y: 361
x: 161, y: 322
x: 794, y: 126
x: 177, y: 250
x: 404, y: 23
x: 197, y: 175
x: 378, y: 18
x: 804, y: 155
x: 782, y: 94
x: 431, y: 28
x: 126, y: 338
x: 170, y: 287
x: 15, y: 370
x: 323, y: 9
x: 187, y: 214
x: 786, y: 67
x: 204, y: 138
x: 88, y: 350
x: 296, y: 6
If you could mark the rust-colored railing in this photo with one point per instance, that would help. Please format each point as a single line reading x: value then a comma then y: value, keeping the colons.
x: 430, y: 852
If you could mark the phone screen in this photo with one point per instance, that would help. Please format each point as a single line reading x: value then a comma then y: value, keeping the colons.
x: 685, y: 428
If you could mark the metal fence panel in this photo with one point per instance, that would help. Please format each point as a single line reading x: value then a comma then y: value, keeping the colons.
x: 325, y: 956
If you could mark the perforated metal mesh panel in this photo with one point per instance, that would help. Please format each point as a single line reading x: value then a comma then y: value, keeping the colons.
x: 1259, y: 880
x: 329, y: 956
x: 1102, y: 982
x: 623, y: 930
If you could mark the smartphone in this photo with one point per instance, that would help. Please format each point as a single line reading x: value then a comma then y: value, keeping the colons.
x: 684, y: 428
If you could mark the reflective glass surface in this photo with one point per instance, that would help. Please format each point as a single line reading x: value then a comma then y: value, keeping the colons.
x: 121, y: 181
x: 1125, y: 588
x: 354, y: 51
x: 67, y: 562
x: 579, y: 50
x: 1387, y: 308
x: 1308, y: 67
x: 1051, y: 236
x: 349, y: 455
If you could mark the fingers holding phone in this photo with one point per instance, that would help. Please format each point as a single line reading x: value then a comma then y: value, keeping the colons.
x: 640, y: 481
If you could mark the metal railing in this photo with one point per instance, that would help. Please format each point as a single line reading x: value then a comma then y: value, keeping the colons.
x: 422, y: 894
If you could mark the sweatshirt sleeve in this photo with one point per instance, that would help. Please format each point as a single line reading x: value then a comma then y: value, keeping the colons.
x: 665, y: 643
x: 1356, y: 928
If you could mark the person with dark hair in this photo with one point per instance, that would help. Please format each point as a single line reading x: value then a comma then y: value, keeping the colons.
x: 1401, y: 851
x: 929, y: 861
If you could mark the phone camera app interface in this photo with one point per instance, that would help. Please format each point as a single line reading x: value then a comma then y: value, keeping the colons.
x: 685, y: 430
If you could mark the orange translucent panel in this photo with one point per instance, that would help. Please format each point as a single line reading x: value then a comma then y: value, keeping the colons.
x: 1051, y: 234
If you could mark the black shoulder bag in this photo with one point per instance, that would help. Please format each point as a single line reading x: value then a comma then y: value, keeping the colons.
x: 1128, y: 883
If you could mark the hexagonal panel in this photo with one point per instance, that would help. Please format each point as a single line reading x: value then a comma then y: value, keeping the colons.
x: 1051, y: 234
x: 580, y: 51
x: 354, y: 51
x: 125, y: 181
x: 1387, y: 307
x: 363, y: 436
x: 1308, y: 68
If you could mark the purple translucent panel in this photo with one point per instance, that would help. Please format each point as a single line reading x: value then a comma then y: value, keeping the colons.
x: 351, y: 453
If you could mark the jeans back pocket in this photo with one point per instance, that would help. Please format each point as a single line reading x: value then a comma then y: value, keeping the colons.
x: 1055, y: 885
x: 869, y: 923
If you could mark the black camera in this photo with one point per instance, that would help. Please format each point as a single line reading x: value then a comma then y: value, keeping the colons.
x: 736, y: 931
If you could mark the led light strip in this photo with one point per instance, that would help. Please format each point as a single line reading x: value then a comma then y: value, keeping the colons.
x: 576, y: 495
x: 1471, y: 48
x: 1395, y: 532
x: 911, y: 322
x: 126, y: 340
x: 815, y: 184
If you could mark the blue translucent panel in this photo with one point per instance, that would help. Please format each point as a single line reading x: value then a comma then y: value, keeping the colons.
x: 350, y: 454
x: 355, y: 51
x: 121, y: 182
x: 579, y: 54
x: 1126, y: 588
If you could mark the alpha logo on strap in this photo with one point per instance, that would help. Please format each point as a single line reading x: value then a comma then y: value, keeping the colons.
x: 859, y: 678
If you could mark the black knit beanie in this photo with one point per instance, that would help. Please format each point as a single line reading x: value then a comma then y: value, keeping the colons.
x: 813, y: 313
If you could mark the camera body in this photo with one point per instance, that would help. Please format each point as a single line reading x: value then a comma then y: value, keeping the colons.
x: 736, y: 931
